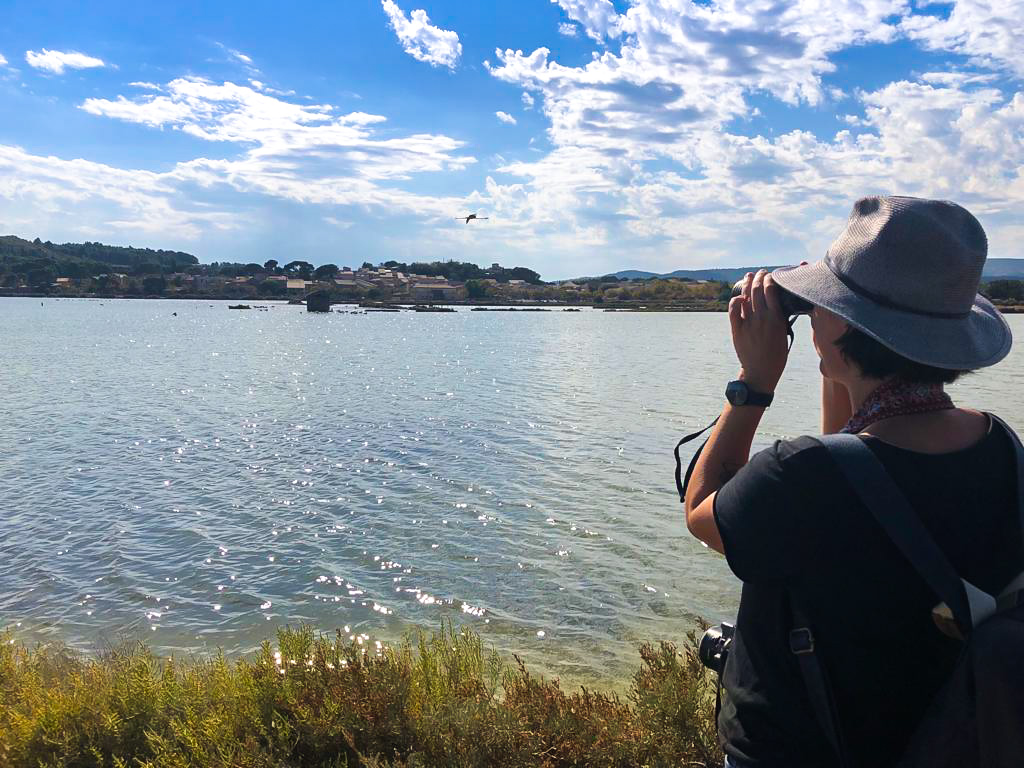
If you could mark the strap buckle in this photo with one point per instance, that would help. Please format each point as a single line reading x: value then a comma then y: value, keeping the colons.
x: 1006, y: 601
x: 801, y: 641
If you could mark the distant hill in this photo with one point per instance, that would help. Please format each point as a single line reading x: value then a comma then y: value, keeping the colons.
x: 634, y: 274
x: 725, y: 274
x: 994, y: 268
x: 1003, y: 268
x: 83, y: 259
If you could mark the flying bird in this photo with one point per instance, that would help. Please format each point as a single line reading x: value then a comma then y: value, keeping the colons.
x: 472, y: 217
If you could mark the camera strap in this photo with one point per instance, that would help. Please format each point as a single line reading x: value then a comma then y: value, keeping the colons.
x: 718, y: 696
x: 683, y: 482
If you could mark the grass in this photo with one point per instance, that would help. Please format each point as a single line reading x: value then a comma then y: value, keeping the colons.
x: 435, y: 699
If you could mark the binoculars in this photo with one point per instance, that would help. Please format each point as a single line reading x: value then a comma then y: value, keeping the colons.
x: 791, y: 305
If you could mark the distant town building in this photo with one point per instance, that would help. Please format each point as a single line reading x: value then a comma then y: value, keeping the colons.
x: 435, y: 292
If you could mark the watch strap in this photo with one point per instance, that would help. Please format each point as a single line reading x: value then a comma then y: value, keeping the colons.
x: 739, y: 393
x: 759, y: 398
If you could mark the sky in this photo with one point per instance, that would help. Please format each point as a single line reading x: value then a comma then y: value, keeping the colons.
x: 594, y: 135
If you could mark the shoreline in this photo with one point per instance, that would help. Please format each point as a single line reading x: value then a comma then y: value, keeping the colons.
x: 711, y: 306
x: 645, y: 307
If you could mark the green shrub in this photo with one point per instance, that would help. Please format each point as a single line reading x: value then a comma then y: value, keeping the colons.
x: 432, y: 700
x: 1004, y: 290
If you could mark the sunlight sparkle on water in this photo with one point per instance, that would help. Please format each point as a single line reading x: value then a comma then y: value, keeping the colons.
x: 353, y: 461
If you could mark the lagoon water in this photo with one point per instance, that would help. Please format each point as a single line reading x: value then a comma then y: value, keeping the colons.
x: 199, y: 479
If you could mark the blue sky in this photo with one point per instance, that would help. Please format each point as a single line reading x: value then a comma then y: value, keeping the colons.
x: 596, y: 135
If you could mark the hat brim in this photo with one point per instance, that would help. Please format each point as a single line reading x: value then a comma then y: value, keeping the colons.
x: 981, y: 339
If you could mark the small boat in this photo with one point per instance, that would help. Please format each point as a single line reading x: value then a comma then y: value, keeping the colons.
x: 239, y: 306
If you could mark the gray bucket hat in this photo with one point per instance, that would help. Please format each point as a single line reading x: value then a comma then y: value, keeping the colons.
x: 906, y: 272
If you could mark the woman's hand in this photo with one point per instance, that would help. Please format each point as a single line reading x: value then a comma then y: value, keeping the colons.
x: 759, y: 332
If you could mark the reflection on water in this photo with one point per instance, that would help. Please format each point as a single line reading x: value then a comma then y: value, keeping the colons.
x: 200, y: 479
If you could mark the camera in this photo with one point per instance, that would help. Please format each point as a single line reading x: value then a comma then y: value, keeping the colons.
x: 791, y: 304
x: 714, y: 646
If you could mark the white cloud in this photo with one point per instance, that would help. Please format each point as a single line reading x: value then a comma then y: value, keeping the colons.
x: 682, y: 63
x: 646, y: 155
x: 155, y: 111
x: 284, y: 134
x: 145, y: 86
x: 527, y: 100
x: 259, y: 85
x: 989, y: 33
x: 303, y: 153
x: 568, y: 29
x: 790, y: 194
x: 424, y: 42
x: 3, y: 61
x: 505, y: 117
x: 958, y: 78
x: 238, y: 56
x: 598, y: 17
x: 59, y: 61
x: 285, y: 154
x: 56, y: 190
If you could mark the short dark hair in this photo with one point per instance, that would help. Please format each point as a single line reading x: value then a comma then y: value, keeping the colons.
x: 877, y: 361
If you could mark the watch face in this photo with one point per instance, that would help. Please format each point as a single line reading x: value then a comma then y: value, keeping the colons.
x: 736, y: 392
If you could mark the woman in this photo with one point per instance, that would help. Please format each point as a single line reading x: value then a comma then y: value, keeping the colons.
x: 896, y: 317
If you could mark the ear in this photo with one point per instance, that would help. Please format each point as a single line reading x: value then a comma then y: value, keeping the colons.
x: 834, y: 325
x: 844, y: 328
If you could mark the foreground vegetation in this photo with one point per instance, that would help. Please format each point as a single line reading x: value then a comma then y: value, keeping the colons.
x: 437, y: 700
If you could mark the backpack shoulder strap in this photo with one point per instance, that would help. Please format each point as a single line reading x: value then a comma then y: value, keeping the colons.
x: 1009, y: 595
x: 819, y: 690
x: 1019, y: 448
x: 890, y: 508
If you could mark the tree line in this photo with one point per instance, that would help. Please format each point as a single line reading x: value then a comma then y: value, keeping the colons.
x: 38, y: 264
x: 1004, y: 290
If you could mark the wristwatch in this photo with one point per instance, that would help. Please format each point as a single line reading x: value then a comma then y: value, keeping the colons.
x: 738, y: 393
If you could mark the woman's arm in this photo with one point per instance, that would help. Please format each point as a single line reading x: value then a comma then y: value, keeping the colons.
x: 759, y: 337
x: 727, y: 450
x: 836, y: 407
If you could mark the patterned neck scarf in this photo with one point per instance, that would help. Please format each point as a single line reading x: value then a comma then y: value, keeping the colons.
x: 896, y: 397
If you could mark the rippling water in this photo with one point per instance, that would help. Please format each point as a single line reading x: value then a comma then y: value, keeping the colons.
x: 199, y: 479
